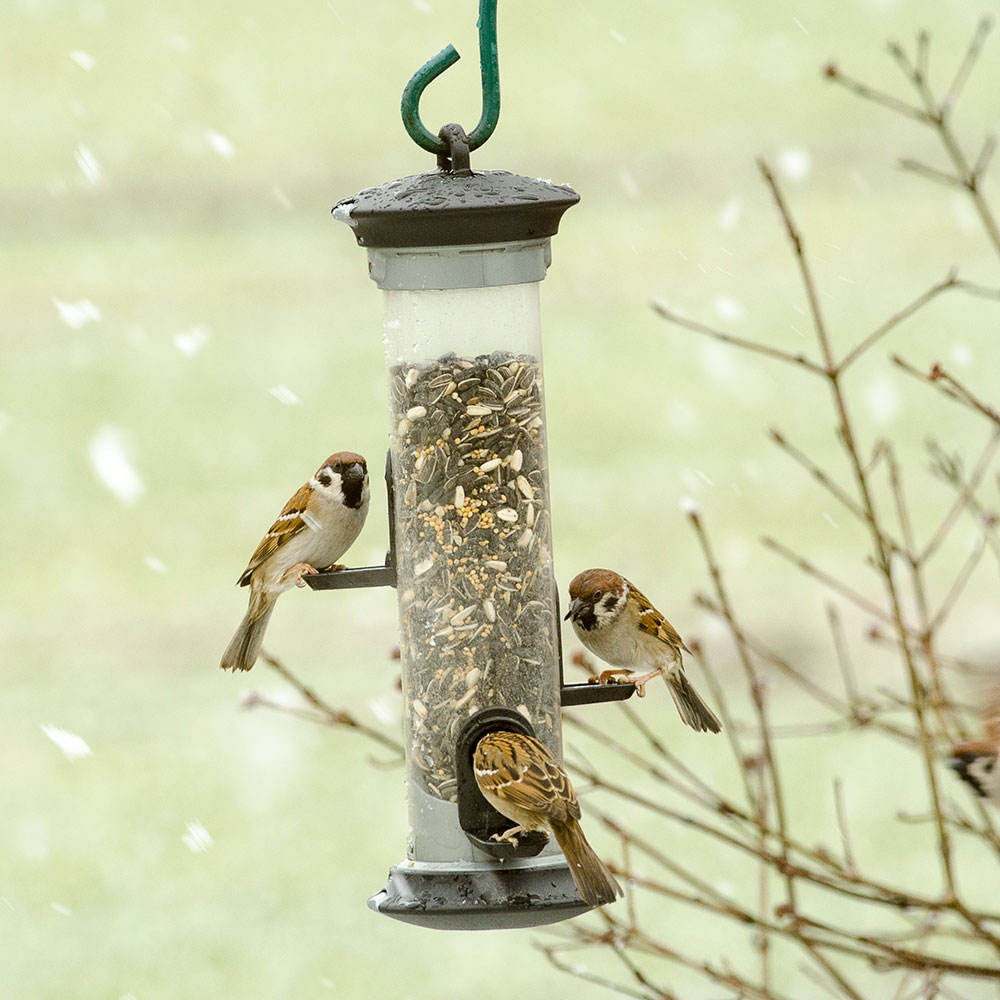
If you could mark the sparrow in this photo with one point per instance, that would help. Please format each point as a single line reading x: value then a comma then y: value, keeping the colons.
x: 977, y: 762
x: 617, y: 623
x: 315, y: 528
x: 521, y: 779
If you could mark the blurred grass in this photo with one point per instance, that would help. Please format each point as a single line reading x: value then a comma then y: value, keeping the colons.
x: 655, y: 116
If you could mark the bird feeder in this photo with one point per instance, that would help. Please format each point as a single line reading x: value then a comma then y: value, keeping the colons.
x: 459, y: 256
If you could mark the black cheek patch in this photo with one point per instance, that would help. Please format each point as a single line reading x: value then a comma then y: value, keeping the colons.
x: 324, y: 478
x: 610, y: 601
x: 961, y: 766
x: 352, y: 492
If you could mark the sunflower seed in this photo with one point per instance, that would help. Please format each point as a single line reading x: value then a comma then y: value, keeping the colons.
x: 476, y: 594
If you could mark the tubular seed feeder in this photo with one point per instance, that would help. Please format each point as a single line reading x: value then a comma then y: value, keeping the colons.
x: 459, y: 256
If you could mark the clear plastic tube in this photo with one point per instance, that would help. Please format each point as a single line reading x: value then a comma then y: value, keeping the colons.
x: 477, y: 601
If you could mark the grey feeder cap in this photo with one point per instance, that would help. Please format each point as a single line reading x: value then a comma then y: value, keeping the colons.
x: 444, y: 209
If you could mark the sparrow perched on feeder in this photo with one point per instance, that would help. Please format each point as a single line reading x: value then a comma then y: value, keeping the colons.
x: 316, y: 527
x: 521, y: 779
x: 616, y: 622
x: 977, y: 762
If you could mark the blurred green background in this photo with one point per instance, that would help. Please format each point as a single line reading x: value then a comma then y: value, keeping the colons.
x: 179, y: 307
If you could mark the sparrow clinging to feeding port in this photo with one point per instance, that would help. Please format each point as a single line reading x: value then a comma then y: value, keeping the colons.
x: 617, y: 623
x: 521, y: 779
x: 316, y: 527
x: 977, y: 763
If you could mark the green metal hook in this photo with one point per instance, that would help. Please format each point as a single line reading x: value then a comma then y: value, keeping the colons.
x: 433, y: 68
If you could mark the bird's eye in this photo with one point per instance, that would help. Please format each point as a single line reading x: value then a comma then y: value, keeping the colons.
x: 598, y: 594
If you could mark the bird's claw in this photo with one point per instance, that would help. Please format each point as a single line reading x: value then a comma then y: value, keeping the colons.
x: 508, y: 836
x: 608, y: 676
x: 619, y: 675
x: 299, y: 570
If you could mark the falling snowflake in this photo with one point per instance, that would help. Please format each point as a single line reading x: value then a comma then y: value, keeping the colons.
x: 964, y: 213
x: 73, y: 747
x: 83, y: 59
x: 859, y: 181
x: 629, y: 184
x: 681, y: 417
x: 156, y: 565
x: 87, y: 163
x: 960, y: 354
x: 728, y: 308
x: 197, y: 839
x: 190, y: 342
x: 284, y: 395
x: 731, y: 213
x: 882, y: 399
x: 77, y: 314
x: 220, y: 144
x: 278, y: 193
x: 113, y: 467
x: 795, y: 163
x: 385, y: 708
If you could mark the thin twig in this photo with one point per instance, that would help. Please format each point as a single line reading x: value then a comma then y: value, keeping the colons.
x: 946, y: 284
x: 965, y: 67
x: 333, y: 716
x: 727, y: 338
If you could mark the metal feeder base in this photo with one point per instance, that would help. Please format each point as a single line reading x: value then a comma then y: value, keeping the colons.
x: 473, y: 896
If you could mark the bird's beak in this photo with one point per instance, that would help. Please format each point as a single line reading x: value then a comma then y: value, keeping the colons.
x: 354, y: 473
x: 574, y: 607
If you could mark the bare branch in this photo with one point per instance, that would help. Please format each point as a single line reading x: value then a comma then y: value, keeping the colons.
x: 951, y: 281
x: 668, y: 314
x: 965, y: 67
x: 862, y: 90
x: 332, y: 716
x: 931, y: 173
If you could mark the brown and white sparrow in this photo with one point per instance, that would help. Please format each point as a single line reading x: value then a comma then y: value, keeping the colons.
x: 521, y: 779
x: 977, y: 762
x: 617, y: 623
x: 315, y: 528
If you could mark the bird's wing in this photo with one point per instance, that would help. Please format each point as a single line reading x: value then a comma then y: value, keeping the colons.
x: 286, y: 526
x: 523, y: 772
x: 653, y: 623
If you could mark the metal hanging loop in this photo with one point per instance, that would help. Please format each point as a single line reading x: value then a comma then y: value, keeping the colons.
x: 456, y: 160
x: 433, y: 68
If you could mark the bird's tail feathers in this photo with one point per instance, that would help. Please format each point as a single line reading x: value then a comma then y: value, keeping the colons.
x: 690, y: 705
x: 594, y: 882
x: 243, y: 650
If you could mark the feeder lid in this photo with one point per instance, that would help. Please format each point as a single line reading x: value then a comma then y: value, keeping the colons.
x: 445, y: 209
